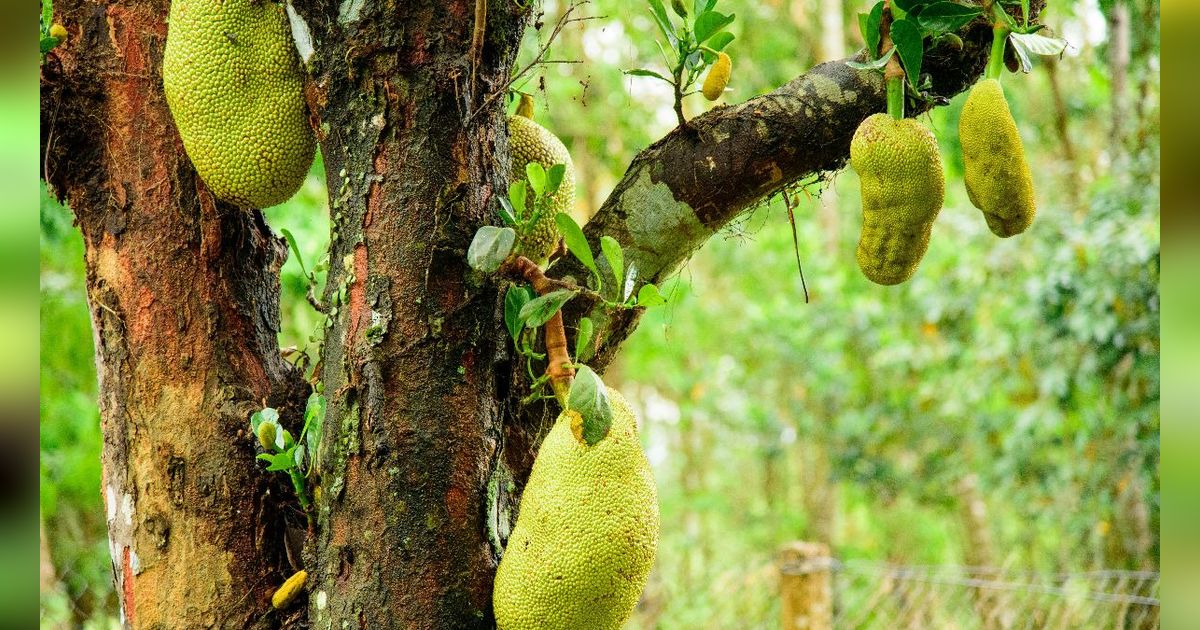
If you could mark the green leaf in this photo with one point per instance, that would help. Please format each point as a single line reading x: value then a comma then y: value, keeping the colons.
x: 680, y: 10
x: 298, y: 454
x: 506, y: 211
x: 720, y: 40
x: 649, y: 296
x: 291, y: 241
x: 583, y: 337
x: 870, y: 28
x: 642, y: 72
x: 908, y: 6
x: 554, y: 178
x: 280, y: 461
x: 710, y: 23
x: 539, y: 310
x: 589, y: 398
x: 946, y: 17
x: 314, y: 417
x: 490, y: 247
x: 576, y: 241
x: 907, y: 37
x: 515, y: 299
x: 536, y: 176
x: 615, y: 257
x: 872, y: 65
x: 663, y: 21
x: 47, y: 43
x: 516, y: 194
x: 700, y: 6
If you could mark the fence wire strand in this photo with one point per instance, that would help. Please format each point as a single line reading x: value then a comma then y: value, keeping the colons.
x: 872, y: 595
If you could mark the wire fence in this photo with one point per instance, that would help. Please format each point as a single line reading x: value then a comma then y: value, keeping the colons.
x: 871, y: 595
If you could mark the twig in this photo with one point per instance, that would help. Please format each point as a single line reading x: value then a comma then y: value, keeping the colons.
x: 558, y: 359
x: 564, y: 20
x: 477, y: 41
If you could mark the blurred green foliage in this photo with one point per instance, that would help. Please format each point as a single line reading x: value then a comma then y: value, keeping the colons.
x: 1031, y: 363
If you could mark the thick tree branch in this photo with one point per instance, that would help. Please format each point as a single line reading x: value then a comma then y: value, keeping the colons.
x: 684, y: 188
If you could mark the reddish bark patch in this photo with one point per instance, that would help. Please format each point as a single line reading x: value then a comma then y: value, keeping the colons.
x: 127, y: 587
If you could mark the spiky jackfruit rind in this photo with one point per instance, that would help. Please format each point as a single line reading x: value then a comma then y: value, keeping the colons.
x: 531, y: 142
x: 903, y: 187
x: 586, y: 534
x: 718, y: 77
x: 234, y: 85
x: 995, y: 171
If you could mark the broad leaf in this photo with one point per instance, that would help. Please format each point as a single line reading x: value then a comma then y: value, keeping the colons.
x: 583, y: 337
x: 946, y: 17
x: 649, y: 296
x: 710, y: 23
x: 589, y: 398
x: 907, y: 37
x: 664, y: 22
x: 539, y: 310
x: 554, y: 178
x: 514, y: 300
x: 869, y: 25
x: 615, y: 257
x: 490, y: 247
x: 517, y: 193
x: 576, y: 241
x: 536, y: 175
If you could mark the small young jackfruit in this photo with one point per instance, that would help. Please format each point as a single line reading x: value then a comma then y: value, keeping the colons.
x: 994, y: 168
x: 286, y: 593
x: 531, y: 142
x: 902, y: 189
x: 59, y: 32
x: 586, y: 534
x: 234, y: 87
x: 718, y: 77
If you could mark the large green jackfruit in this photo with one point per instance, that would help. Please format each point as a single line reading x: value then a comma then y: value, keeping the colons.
x: 586, y: 533
x: 531, y: 142
x: 994, y: 168
x: 902, y: 189
x: 234, y: 87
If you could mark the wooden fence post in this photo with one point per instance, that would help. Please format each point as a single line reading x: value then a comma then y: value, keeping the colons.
x: 805, y: 586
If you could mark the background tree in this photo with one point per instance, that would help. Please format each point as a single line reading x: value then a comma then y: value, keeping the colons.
x: 183, y: 294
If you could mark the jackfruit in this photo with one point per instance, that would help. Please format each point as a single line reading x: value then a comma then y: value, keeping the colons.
x: 902, y: 189
x: 718, y: 77
x: 994, y: 168
x: 233, y: 84
x: 286, y: 593
x: 59, y: 32
x: 586, y: 533
x: 531, y: 142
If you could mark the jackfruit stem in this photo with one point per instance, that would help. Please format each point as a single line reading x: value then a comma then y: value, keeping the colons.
x: 995, y: 64
x: 895, y: 97
x: 558, y: 358
x: 893, y: 72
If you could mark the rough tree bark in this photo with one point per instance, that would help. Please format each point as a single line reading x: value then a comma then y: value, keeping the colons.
x: 425, y: 445
x: 183, y: 294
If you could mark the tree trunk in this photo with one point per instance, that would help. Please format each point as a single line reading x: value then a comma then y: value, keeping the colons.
x: 415, y: 366
x: 183, y: 294
x: 425, y: 445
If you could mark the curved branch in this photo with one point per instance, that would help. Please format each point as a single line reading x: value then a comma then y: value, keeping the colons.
x: 684, y: 188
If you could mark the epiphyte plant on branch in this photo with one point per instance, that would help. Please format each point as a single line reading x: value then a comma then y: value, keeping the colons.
x: 587, y: 528
x: 695, y: 44
x: 902, y: 184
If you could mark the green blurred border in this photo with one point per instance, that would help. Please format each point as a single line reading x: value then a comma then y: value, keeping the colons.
x: 1180, y: 439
